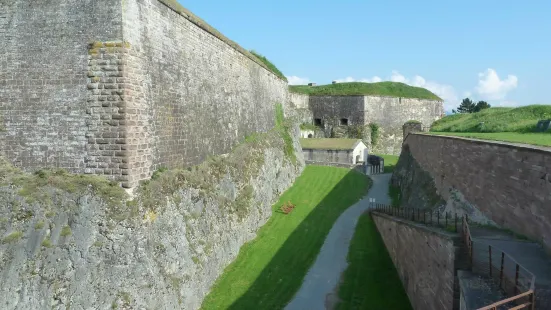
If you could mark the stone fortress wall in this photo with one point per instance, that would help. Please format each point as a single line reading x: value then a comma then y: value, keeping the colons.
x: 390, y: 113
x: 509, y: 184
x: 121, y: 88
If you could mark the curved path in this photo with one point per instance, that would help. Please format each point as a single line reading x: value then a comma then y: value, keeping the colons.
x: 323, y: 277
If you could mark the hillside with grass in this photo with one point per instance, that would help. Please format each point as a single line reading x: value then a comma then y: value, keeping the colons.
x: 522, y: 119
x: 517, y: 125
x: 387, y: 89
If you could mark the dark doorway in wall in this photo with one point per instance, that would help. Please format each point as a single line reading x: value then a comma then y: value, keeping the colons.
x: 344, y: 121
x: 317, y: 121
x: 309, y: 135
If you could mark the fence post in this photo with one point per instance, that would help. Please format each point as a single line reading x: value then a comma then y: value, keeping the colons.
x: 418, y: 217
x: 516, y: 279
x: 501, y: 271
x: 446, y: 220
x: 490, y: 251
x: 437, y: 218
x: 455, y: 221
x: 532, y: 301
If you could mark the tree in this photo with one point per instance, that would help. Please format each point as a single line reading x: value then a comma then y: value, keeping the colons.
x: 481, y: 105
x: 468, y: 106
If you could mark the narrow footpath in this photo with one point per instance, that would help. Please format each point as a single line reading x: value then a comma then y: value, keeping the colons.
x: 321, y: 281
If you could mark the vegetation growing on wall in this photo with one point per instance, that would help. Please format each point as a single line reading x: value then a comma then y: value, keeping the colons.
x: 177, y: 7
x: 308, y: 126
x: 43, y: 184
x: 374, y: 133
x: 390, y: 89
x: 269, y: 65
x: 242, y: 164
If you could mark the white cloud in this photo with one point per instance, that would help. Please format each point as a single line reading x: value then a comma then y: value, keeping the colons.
x: 444, y: 91
x: 374, y: 79
x: 491, y: 87
x: 295, y: 80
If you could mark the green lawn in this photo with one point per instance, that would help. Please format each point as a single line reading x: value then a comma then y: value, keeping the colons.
x: 371, y: 280
x: 391, y: 89
x: 542, y: 139
x: 269, y: 270
x: 390, y: 162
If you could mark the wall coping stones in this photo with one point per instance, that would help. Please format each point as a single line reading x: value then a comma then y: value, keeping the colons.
x: 511, y: 145
x: 432, y: 230
x: 179, y: 9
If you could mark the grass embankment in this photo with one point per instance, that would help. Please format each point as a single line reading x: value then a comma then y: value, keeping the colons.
x: 516, y: 125
x: 269, y: 270
x: 371, y: 280
x: 390, y: 162
x: 390, y: 89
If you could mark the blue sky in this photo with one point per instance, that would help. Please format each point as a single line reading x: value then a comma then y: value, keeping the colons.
x: 498, y: 51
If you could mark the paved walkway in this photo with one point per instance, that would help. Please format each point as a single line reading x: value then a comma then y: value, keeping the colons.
x: 320, y: 284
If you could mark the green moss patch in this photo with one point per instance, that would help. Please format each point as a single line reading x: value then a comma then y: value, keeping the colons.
x: 13, y: 237
x: 386, y: 89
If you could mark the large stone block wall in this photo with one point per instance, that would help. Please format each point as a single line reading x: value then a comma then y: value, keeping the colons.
x: 43, y: 78
x: 510, y: 184
x: 424, y: 258
x: 157, y: 88
x: 390, y: 113
x: 203, y: 95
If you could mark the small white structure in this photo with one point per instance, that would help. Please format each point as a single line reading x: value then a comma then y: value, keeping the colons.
x: 306, y: 133
x: 334, y: 151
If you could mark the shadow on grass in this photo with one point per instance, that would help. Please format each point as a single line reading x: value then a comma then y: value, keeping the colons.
x: 282, y: 277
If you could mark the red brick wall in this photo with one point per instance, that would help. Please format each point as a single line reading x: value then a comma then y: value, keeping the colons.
x: 510, y: 184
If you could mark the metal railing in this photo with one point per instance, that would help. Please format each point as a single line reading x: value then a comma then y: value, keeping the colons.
x: 446, y: 220
x: 512, y: 279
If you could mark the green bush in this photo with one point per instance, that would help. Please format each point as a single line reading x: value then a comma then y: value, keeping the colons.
x: 374, y: 133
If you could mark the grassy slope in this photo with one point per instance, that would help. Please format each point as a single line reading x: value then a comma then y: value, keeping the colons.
x: 523, y: 119
x: 390, y: 162
x: 371, y: 280
x: 391, y: 89
x: 269, y: 270
x: 501, y: 124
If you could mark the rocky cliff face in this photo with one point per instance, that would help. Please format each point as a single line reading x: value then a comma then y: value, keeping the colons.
x: 76, y: 242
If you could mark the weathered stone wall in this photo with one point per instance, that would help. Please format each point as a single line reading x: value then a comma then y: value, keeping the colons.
x: 331, y: 109
x: 390, y: 113
x: 122, y: 88
x: 43, y: 78
x: 424, y: 259
x: 65, y: 244
x: 328, y: 156
x: 203, y: 95
x: 509, y: 184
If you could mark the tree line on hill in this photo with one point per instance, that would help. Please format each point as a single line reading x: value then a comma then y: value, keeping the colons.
x: 469, y: 106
